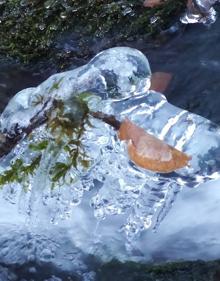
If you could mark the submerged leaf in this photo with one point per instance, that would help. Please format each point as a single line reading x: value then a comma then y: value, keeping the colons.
x: 160, y: 81
x: 149, y: 152
x: 152, y: 3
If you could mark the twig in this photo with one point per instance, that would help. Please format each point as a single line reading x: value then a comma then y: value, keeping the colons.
x: 109, y: 119
x: 10, y: 140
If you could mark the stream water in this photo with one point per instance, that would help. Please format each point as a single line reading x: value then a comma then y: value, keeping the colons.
x: 63, y: 249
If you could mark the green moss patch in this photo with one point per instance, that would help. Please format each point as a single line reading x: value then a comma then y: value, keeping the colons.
x: 28, y: 28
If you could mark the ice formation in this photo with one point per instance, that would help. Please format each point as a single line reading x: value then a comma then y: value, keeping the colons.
x: 116, y: 81
x: 200, y: 11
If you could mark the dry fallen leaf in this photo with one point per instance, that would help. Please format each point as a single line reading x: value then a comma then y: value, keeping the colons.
x: 160, y: 81
x: 149, y: 152
x: 152, y: 3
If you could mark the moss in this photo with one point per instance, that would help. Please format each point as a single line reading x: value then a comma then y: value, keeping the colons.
x: 66, y: 126
x: 34, y: 25
x: 177, y: 271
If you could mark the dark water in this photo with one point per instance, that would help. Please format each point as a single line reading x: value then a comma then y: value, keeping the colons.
x: 35, y: 272
x: 192, y: 56
x: 194, y: 60
x: 14, y: 77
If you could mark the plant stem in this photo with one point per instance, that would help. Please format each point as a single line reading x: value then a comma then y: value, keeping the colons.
x: 9, y: 141
x: 109, y: 119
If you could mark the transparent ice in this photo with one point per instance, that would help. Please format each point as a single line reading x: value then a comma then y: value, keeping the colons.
x: 112, y: 189
x: 119, y: 78
x: 201, y: 11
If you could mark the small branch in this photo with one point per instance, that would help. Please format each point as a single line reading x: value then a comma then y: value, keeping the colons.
x: 108, y: 119
x: 9, y: 141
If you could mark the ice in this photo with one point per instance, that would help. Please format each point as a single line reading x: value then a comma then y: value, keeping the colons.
x: 111, y: 194
x: 200, y: 11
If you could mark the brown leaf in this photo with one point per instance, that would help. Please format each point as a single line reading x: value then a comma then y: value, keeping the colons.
x: 152, y: 3
x: 160, y: 81
x: 149, y: 152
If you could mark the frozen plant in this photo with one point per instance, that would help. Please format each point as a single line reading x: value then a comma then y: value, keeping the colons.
x: 60, y: 153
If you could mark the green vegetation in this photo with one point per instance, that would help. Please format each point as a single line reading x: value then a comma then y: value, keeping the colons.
x: 19, y: 171
x: 176, y: 271
x: 65, y: 129
x: 28, y: 29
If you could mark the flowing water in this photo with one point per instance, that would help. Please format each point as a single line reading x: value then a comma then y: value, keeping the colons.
x: 111, y: 207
